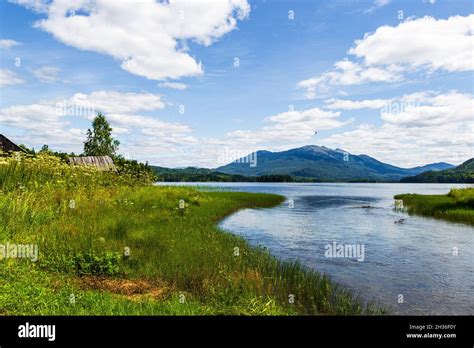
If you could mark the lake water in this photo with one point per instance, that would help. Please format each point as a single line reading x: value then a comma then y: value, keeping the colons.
x: 428, y: 262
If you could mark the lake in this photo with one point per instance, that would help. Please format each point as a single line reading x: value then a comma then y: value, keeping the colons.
x: 415, y: 266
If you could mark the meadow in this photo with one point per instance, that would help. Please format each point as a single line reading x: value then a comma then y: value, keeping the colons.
x: 456, y: 206
x: 112, y: 244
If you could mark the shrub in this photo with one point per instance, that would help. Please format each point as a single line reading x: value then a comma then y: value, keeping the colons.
x: 106, y: 264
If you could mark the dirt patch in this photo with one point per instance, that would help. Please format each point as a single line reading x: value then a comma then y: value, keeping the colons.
x: 132, y: 289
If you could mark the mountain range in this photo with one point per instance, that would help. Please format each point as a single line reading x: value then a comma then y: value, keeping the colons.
x: 320, y: 163
x: 463, y: 173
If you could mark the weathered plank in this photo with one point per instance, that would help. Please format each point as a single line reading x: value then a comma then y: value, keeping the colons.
x: 101, y: 162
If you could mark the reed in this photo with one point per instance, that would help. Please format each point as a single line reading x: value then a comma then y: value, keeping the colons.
x: 456, y: 206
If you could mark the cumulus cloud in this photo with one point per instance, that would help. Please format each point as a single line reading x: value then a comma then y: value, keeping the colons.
x: 40, y: 117
x: 53, y: 118
x: 434, y: 44
x: 420, y: 108
x: 9, y: 78
x: 403, y: 146
x: 425, y: 44
x: 148, y: 37
x: 430, y: 109
x: 347, y: 73
x: 281, y: 131
x: 428, y: 124
x: 290, y: 126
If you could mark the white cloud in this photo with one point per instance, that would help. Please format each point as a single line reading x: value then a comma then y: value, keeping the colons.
x: 422, y: 108
x: 9, y: 78
x: 425, y: 44
x: 117, y: 102
x: 173, y: 85
x: 418, y: 128
x: 120, y: 130
x: 278, y: 132
x: 445, y: 44
x: 149, y: 125
x: 347, y: 73
x: 429, y: 126
x: 35, y: 5
x: 47, y: 74
x: 408, y: 143
x: 430, y: 109
x: 41, y: 117
x: 344, y: 104
x: 148, y: 37
x: 408, y: 146
x: 51, y: 121
x: 287, y: 129
x: 7, y: 43
x: 290, y: 126
x: 377, y: 4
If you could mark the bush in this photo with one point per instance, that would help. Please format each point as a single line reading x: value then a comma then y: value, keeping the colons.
x: 106, y: 264
x: 24, y: 171
x: 135, y: 170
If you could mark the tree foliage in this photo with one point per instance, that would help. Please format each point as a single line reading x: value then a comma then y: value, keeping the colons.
x: 464, y: 173
x: 99, y: 140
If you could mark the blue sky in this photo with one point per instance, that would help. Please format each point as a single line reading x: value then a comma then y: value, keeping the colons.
x: 203, y: 82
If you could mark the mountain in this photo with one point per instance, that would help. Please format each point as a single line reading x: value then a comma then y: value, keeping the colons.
x: 321, y: 163
x: 464, y: 173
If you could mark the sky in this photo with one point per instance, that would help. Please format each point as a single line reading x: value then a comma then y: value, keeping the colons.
x: 201, y: 83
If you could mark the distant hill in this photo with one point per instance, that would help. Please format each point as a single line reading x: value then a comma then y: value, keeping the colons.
x: 193, y: 174
x: 190, y: 174
x: 319, y: 163
x: 464, y: 173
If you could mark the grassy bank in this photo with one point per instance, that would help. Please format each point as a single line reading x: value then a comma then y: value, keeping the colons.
x: 109, y: 245
x: 456, y: 206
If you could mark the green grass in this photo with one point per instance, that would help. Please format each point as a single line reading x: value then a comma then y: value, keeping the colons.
x: 179, y: 263
x: 456, y: 206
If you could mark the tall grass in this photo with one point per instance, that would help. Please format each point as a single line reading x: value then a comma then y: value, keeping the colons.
x: 456, y: 206
x: 120, y: 232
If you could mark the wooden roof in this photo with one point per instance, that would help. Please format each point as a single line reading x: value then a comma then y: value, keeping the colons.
x: 103, y: 162
x: 6, y: 145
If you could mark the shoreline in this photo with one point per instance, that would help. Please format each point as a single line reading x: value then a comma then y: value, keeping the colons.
x: 251, y: 283
x: 457, y: 206
x: 112, y: 244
